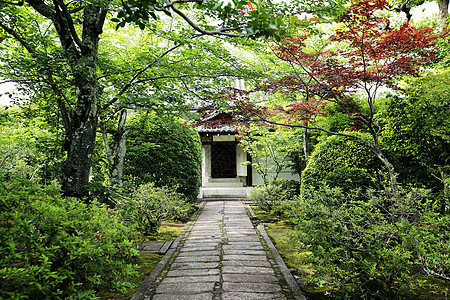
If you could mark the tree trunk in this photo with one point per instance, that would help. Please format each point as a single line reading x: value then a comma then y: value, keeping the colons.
x: 120, y: 147
x: 108, y: 151
x: 443, y: 13
x: 80, y: 140
x: 388, y: 165
x: 306, y: 145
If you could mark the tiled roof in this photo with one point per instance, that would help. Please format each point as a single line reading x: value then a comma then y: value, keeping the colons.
x: 216, y: 128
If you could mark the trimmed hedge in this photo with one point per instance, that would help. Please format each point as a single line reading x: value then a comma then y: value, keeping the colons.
x: 341, y: 162
x: 163, y: 151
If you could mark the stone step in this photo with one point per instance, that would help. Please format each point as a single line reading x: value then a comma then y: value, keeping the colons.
x: 221, y: 192
x: 224, y: 180
x: 224, y: 184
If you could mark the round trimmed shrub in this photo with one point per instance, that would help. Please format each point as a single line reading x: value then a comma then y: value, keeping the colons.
x: 341, y: 162
x: 161, y: 150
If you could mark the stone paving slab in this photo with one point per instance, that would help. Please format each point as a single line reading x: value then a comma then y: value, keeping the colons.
x: 192, y: 258
x: 193, y: 279
x: 251, y: 296
x: 185, y: 287
x: 246, y: 263
x: 220, y: 255
x: 200, y: 253
x: 200, y: 296
x: 251, y: 287
x: 159, y: 247
x: 249, y: 278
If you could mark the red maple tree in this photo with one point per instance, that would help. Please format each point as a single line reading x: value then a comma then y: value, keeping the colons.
x: 373, y: 56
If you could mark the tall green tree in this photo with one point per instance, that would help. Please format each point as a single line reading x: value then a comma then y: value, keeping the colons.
x: 63, y: 37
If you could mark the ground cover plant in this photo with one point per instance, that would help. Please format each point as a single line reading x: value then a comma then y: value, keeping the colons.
x: 147, y: 261
x: 383, y: 247
x: 148, y: 206
x: 59, y: 247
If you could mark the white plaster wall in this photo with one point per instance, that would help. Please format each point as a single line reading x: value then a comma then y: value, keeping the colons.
x: 224, y: 138
x: 241, y: 157
x: 206, y: 164
x: 284, y: 174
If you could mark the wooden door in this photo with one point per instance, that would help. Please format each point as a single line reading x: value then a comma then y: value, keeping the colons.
x: 223, y: 160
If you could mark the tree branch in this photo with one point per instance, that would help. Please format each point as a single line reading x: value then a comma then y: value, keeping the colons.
x: 42, y: 8
x: 317, y: 128
x: 4, y: 159
x: 69, y: 22
x: 22, y: 41
x: 139, y: 73
x: 220, y: 31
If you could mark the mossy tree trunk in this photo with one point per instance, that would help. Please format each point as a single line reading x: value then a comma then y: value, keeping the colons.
x: 82, y: 55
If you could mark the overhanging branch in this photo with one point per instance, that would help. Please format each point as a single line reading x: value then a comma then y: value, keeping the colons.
x: 22, y: 41
x: 220, y: 31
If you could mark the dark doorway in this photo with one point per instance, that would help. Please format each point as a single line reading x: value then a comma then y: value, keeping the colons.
x: 223, y: 160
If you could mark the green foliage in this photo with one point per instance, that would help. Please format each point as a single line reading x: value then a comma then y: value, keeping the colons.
x: 27, y: 148
x: 163, y: 151
x: 271, y: 151
x: 416, y: 132
x: 371, y: 248
x: 341, y: 162
x: 274, y: 197
x: 55, y: 247
x: 148, y: 205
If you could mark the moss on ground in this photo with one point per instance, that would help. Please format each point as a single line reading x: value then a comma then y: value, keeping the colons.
x: 147, y: 262
x: 169, y: 230
x: 278, y: 231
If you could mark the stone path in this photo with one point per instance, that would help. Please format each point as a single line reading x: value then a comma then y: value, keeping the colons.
x: 220, y: 255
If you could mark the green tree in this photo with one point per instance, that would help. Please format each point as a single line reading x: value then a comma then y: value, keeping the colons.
x: 28, y: 148
x: 350, y: 72
x: 60, y: 41
x: 271, y: 150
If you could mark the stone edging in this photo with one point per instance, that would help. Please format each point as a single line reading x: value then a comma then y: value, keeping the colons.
x: 283, y: 268
x: 145, y: 286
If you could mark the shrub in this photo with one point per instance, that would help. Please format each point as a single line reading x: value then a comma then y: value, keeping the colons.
x: 274, y: 196
x: 28, y: 148
x: 415, y: 131
x: 149, y: 204
x: 369, y: 248
x: 55, y: 247
x: 341, y: 162
x: 161, y: 150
